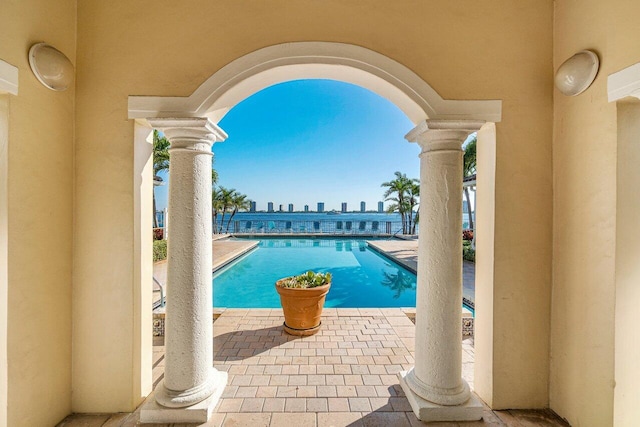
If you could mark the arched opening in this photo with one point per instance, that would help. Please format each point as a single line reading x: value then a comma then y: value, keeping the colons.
x: 306, y: 60
x: 442, y: 126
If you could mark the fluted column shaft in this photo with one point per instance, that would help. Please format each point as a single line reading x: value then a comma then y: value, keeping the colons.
x: 189, y: 376
x: 436, y: 376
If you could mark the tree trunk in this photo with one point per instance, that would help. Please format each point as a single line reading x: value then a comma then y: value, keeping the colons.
x: 233, y: 213
x: 155, y: 220
x: 466, y: 195
x: 415, y: 222
x: 404, y: 222
x: 222, y: 221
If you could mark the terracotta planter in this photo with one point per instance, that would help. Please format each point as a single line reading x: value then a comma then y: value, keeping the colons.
x: 302, y: 308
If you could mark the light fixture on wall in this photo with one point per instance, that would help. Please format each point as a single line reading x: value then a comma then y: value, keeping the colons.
x: 577, y: 73
x: 50, y: 66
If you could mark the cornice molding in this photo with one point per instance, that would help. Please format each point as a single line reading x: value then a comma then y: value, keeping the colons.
x: 189, y: 131
x: 418, y: 133
x: 624, y: 83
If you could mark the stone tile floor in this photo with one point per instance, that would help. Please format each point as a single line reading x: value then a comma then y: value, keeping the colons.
x: 343, y: 376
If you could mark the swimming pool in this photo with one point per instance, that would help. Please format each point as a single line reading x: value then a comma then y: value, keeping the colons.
x: 361, y: 277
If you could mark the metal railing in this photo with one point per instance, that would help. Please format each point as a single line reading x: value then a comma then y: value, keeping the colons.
x: 162, y: 300
x: 332, y: 227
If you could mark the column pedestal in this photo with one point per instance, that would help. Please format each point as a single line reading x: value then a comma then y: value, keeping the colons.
x: 191, y: 386
x: 427, y: 411
x: 152, y: 412
x: 434, y: 386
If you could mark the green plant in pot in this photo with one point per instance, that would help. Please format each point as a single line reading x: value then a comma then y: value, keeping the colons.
x: 302, y: 298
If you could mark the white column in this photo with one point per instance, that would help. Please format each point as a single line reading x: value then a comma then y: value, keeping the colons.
x: 434, y: 386
x: 189, y: 375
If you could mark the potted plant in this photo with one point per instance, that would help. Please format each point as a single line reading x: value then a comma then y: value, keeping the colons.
x: 302, y: 298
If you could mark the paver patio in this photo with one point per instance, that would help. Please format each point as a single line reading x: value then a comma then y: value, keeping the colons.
x: 346, y: 375
x: 343, y: 376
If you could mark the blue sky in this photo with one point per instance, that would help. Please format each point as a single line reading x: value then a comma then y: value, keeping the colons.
x: 307, y: 141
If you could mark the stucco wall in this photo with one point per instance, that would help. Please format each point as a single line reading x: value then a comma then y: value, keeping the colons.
x: 39, y: 215
x: 465, y: 50
x: 584, y: 243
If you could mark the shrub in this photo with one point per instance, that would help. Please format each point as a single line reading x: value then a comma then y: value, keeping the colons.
x: 159, y: 250
x: 468, y: 253
x: 467, y: 235
x: 158, y: 234
x: 305, y: 280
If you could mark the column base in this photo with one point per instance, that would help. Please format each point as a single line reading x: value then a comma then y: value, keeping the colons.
x: 471, y: 410
x: 153, y: 412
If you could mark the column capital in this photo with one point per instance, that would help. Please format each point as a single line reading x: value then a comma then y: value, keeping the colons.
x: 435, y: 135
x: 189, y: 133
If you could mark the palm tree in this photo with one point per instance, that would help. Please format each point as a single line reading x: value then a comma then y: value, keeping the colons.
x: 397, y: 187
x: 469, y: 169
x: 216, y: 206
x: 404, y: 193
x: 413, y: 195
x: 224, y: 203
x: 160, y: 163
x: 239, y: 201
x: 214, y: 176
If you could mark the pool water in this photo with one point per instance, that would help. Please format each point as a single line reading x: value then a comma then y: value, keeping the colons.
x: 361, y: 277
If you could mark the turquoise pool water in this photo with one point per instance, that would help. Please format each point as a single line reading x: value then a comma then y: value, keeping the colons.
x: 361, y: 277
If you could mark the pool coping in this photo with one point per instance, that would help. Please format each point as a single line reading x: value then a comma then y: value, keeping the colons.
x: 235, y: 255
x: 409, y: 264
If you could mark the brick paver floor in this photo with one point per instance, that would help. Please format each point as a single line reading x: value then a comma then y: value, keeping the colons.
x: 343, y: 376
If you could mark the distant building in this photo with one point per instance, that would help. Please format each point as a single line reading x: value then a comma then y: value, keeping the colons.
x: 290, y: 207
x: 344, y: 206
x: 380, y: 207
x: 252, y: 208
x: 270, y: 207
x: 281, y: 209
x: 320, y: 207
x: 306, y: 208
x: 363, y: 206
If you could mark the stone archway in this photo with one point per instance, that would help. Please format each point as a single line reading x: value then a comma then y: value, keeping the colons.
x: 307, y: 60
x: 434, y: 386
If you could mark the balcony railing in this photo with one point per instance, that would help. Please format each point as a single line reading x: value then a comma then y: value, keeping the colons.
x: 332, y: 227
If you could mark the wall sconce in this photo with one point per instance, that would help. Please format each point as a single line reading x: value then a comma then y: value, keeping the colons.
x: 577, y: 73
x: 50, y: 66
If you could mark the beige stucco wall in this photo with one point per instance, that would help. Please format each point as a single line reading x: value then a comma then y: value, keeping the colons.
x: 584, y: 244
x: 39, y: 215
x: 465, y: 50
